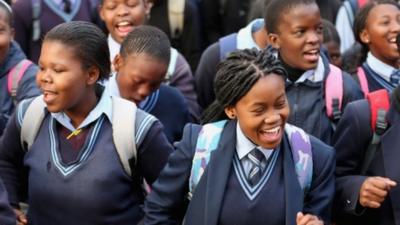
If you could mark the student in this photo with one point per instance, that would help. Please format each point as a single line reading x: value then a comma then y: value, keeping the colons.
x: 121, y: 17
x: 34, y: 18
x: 376, y: 27
x: 140, y: 69
x: 254, y: 35
x: 17, y: 75
x: 250, y: 92
x: 370, y: 197
x: 295, y: 30
x: 74, y: 153
x: 332, y: 43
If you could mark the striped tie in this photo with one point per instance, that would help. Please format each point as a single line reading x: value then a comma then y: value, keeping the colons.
x: 256, y: 157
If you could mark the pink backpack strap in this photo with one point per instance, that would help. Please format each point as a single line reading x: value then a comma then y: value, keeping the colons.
x: 15, y: 75
x: 334, y: 92
x: 363, y: 80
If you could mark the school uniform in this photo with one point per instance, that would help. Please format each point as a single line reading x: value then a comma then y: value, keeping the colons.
x: 344, y: 26
x: 306, y: 98
x: 51, y: 14
x: 26, y: 87
x: 378, y: 74
x: 181, y: 78
x: 80, y: 179
x: 220, y: 196
x: 210, y: 58
x: 351, y: 140
x: 167, y: 104
x: 7, y: 215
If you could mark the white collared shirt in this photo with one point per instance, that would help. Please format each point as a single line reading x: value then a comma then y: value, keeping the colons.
x: 315, y: 75
x: 382, y: 69
x: 103, y: 106
x: 244, y: 146
x: 245, y: 35
x: 114, y: 47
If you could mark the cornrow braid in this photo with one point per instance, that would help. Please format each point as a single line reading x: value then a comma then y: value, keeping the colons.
x: 148, y: 40
x: 236, y: 76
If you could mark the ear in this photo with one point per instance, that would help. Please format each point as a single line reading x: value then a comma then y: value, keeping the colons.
x: 274, y: 40
x: 364, y: 36
x: 118, y: 62
x: 93, y: 75
x: 230, y: 112
x: 148, y: 4
x: 100, y: 11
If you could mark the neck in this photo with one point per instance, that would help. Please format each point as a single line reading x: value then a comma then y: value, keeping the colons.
x: 261, y: 38
x: 293, y: 73
x: 79, y: 112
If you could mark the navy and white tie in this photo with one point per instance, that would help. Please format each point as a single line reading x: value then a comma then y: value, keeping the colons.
x: 395, y: 77
x: 257, y: 158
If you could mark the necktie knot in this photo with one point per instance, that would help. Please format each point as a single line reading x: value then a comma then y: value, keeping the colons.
x: 256, y: 157
x: 395, y: 77
x: 67, y: 6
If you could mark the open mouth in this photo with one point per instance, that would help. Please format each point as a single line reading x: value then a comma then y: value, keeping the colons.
x: 124, y: 27
x: 312, y: 55
x: 272, y: 135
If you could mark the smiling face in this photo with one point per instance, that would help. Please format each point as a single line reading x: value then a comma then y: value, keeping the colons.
x: 299, y: 36
x: 263, y: 111
x: 122, y: 16
x: 139, y: 75
x: 65, y: 84
x: 381, y: 28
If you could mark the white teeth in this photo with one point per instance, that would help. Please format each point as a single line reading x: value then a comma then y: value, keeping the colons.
x: 125, y: 23
x: 272, y: 131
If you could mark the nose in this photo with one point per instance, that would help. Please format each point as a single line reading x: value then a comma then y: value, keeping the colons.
x: 45, y: 76
x: 144, y: 91
x: 122, y: 10
x: 272, y: 117
x: 314, y: 37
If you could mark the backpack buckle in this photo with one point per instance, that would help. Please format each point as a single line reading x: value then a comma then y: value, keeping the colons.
x: 336, y: 112
x: 381, y: 124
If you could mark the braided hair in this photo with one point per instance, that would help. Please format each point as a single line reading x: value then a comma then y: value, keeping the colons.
x: 236, y: 75
x: 148, y: 40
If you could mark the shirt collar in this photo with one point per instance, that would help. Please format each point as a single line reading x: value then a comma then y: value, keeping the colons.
x: 315, y: 75
x: 382, y: 69
x: 245, y: 35
x: 114, y: 47
x: 104, y: 106
x: 244, y: 146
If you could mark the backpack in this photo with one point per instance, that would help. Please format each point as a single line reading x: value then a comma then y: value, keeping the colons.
x: 36, y: 11
x: 126, y: 137
x: 333, y: 83
x: 379, y: 104
x: 362, y: 80
x: 208, y: 140
x: 14, y: 76
x: 176, y: 16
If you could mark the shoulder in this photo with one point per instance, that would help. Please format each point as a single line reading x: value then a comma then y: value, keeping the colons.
x: 211, y: 52
x: 172, y: 95
x: 320, y: 150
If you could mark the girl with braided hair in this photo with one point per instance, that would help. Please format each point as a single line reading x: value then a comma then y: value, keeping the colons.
x: 240, y: 161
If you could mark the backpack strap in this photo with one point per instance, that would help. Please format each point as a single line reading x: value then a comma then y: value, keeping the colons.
x: 36, y: 8
x: 207, y: 142
x: 350, y: 10
x: 15, y: 75
x: 300, y: 145
x: 379, y: 104
x: 334, y: 93
x: 31, y: 122
x: 123, y: 125
x: 176, y: 14
x: 227, y: 44
x: 171, y: 65
x: 362, y: 79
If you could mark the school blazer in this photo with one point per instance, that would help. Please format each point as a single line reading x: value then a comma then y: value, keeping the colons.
x: 351, y: 140
x: 167, y: 203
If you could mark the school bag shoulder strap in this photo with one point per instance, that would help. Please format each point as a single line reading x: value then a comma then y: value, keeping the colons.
x: 172, y: 65
x: 31, y: 120
x: 176, y: 16
x: 123, y: 125
x: 379, y: 104
x: 36, y: 10
x: 208, y: 140
x: 14, y: 76
x: 334, y: 93
x: 227, y: 44
x: 362, y: 79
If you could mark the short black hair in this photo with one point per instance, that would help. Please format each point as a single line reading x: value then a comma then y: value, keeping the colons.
x: 329, y: 32
x: 275, y: 8
x: 89, y: 43
x: 236, y: 75
x: 148, y: 40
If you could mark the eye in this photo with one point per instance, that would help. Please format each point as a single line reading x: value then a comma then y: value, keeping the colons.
x: 320, y: 29
x: 281, y: 104
x: 299, y: 33
x: 110, y: 6
x: 132, y: 3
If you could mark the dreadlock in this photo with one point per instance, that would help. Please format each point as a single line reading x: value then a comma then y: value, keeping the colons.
x: 148, y: 40
x: 236, y: 76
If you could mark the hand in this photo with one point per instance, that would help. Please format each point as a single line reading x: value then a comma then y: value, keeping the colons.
x: 374, y: 191
x: 21, y: 217
x: 307, y: 219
